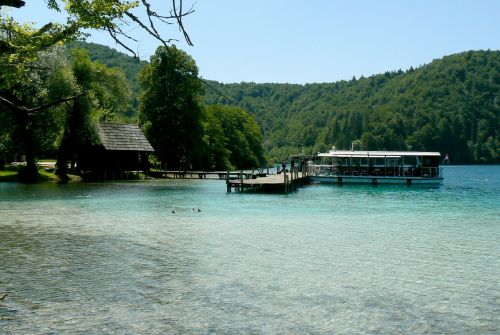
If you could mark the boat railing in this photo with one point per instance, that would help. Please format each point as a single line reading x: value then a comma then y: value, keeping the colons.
x: 378, y: 171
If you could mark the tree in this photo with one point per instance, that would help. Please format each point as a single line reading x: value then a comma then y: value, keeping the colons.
x: 169, y: 109
x: 215, y: 155
x: 450, y: 105
x: 20, y: 46
x: 106, y: 93
x: 241, y: 136
x: 32, y: 124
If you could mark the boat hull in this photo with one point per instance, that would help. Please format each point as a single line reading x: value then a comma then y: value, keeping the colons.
x: 375, y: 180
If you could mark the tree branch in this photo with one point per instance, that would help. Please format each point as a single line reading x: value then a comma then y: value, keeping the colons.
x: 112, y: 33
x: 143, y: 26
x: 178, y: 17
x: 12, y: 106
x: 7, y: 103
x: 150, y: 13
x: 53, y: 103
x: 176, y: 14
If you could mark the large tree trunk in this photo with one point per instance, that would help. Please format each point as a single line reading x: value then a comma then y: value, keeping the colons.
x: 28, y: 174
x: 70, y: 143
x: 61, y: 169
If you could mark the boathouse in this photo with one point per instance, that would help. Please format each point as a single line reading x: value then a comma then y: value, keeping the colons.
x: 119, y: 150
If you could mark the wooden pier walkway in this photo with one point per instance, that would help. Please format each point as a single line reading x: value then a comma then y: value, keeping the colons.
x: 257, y: 180
x: 223, y: 175
x: 283, y: 182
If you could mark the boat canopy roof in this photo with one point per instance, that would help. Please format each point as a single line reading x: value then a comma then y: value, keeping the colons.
x: 377, y: 154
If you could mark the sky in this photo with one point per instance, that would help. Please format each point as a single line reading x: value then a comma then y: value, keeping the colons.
x: 315, y: 41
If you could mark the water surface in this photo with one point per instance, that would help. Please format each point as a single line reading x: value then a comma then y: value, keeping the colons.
x: 113, y: 258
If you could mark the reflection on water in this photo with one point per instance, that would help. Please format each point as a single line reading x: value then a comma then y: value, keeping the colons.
x: 113, y: 258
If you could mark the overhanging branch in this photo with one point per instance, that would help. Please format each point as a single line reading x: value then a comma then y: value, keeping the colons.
x: 53, y: 104
x: 30, y: 111
x: 112, y: 33
x: 178, y: 17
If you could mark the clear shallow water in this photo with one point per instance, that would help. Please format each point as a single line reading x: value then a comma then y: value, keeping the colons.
x: 113, y: 258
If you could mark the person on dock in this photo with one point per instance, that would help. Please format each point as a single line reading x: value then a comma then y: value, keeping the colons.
x: 302, y: 165
x: 446, y: 159
x: 283, y: 166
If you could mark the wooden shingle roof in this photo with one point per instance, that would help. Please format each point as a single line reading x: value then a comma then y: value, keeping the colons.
x: 123, y: 137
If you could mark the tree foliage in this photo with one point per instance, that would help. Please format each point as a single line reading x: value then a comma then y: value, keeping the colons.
x: 22, y: 44
x: 169, y: 109
x: 438, y: 106
x: 451, y: 105
x: 106, y: 93
x: 32, y: 126
x: 112, y: 15
x: 184, y: 134
x: 232, y: 139
x: 117, y: 60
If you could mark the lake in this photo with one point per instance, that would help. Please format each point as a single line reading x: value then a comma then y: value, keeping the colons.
x: 135, y: 258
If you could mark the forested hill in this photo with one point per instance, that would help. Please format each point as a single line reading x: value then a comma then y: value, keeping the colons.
x: 451, y: 105
x: 110, y: 57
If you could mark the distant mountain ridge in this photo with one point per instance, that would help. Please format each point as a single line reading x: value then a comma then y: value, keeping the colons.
x: 451, y: 105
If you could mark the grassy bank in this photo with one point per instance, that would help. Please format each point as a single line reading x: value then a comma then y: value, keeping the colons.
x: 10, y: 173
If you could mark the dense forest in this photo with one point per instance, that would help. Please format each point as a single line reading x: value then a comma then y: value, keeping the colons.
x: 451, y: 105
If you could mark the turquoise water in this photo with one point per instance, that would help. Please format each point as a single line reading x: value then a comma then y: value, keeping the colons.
x: 113, y: 258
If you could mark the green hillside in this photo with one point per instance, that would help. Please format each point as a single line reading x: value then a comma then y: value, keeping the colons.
x: 451, y: 105
x: 112, y: 58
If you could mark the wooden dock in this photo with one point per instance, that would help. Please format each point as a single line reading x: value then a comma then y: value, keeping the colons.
x: 244, y: 180
x: 283, y: 182
x: 223, y: 175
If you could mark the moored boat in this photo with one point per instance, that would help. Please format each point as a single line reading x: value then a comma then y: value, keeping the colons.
x: 376, y: 167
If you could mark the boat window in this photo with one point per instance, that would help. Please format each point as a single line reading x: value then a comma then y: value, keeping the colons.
x: 431, y: 161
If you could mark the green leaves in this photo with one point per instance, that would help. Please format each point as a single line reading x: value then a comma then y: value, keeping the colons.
x: 96, y: 14
x: 437, y: 107
x: 233, y: 137
x: 169, y: 109
x: 107, y: 88
x: 20, y: 45
x: 184, y: 135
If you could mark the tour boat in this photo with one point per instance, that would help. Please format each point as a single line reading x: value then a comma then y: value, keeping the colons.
x: 376, y: 167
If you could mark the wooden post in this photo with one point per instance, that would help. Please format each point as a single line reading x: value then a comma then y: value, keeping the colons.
x: 241, y: 179
x: 284, y: 180
x: 296, y: 171
x: 228, y: 185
